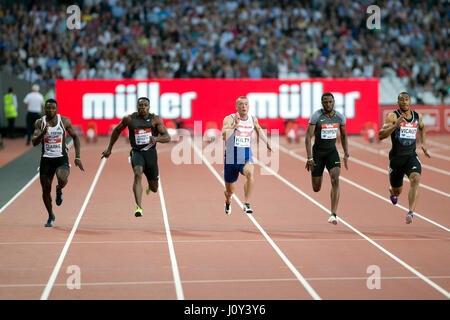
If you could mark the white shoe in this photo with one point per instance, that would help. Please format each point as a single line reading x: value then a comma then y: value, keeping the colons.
x: 409, y: 218
x: 333, y: 220
x: 227, y: 208
x: 247, y: 208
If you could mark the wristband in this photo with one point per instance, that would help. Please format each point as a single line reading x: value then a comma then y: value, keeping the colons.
x: 346, y: 155
x: 77, y: 159
x: 310, y: 159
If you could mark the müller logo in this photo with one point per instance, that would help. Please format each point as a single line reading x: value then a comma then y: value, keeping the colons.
x: 292, y: 101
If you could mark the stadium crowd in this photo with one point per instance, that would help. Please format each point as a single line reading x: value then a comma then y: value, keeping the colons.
x: 228, y: 39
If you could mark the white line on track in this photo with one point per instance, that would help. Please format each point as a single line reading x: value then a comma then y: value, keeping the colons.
x: 297, y: 274
x: 173, y: 259
x: 437, y: 144
x: 384, y: 153
x: 140, y: 283
x: 58, y: 265
x: 404, y: 264
x: 369, y: 191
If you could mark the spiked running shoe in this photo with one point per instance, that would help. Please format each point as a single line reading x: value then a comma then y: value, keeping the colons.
x: 409, y: 217
x: 50, y: 221
x: 227, y: 208
x: 148, y: 190
x: 394, y: 199
x: 138, y: 212
x: 59, y: 197
x: 333, y: 219
x: 247, y: 208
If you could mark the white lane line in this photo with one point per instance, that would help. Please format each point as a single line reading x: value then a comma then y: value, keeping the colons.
x: 168, y: 282
x: 58, y: 265
x: 217, y: 240
x: 370, y: 192
x: 368, y: 165
x: 404, y: 264
x: 173, y: 259
x: 297, y: 274
x: 384, y: 153
x: 433, y: 154
x: 25, y: 187
x: 437, y: 144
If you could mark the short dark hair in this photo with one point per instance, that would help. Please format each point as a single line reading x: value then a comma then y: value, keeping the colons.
x: 145, y: 98
x: 403, y: 92
x: 51, y: 101
x: 10, y: 89
x: 327, y: 94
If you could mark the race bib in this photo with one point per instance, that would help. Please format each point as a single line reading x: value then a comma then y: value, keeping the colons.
x: 408, y: 130
x: 329, y: 130
x: 53, y: 145
x: 242, y: 139
x: 142, y: 136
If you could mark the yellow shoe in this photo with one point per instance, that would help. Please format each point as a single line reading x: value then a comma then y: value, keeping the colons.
x: 148, y: 190
x: 138, y: 212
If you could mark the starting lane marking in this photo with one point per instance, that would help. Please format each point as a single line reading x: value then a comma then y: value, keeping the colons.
x: 58, y: 265
x: 404, y: 264
x: 293, y: 154
x: 298, y: 275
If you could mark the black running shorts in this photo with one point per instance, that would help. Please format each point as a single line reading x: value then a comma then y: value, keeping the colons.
x: 148, y: 160
x: 49, y: 166
x: 325, y: 158
x: 399, y: 166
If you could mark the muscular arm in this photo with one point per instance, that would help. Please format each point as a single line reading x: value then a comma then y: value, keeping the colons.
x: 164, y: 136
x: 115, y: 135
x: 228, y: 127
x: 309, y: 135
x: 261, y: 134
x: 38, y: 134
x: 76, y: 140
x: 422, y: 136
x: 344, y: 140
x: 391, y: 123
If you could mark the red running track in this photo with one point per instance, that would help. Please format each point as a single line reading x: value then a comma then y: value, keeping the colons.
x: 216, y: 256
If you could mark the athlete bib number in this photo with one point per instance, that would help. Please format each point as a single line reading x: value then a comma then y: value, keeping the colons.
x: 53, y: 146
x: 329, y: 130
x: 242, y: 139
x: 408, y: 130
x: 142, y: 136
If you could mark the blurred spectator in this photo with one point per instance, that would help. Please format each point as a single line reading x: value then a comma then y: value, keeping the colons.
x: 10, y: 108
x: 33, y: 102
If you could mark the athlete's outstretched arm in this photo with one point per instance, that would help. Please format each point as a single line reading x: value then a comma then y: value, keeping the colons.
x: 76, y: 141
x: 309, y: 134
x: 422, y: 136
x: 38, y: 134
x: 116, y: 134
x: 164, y: 136
x: 344, y: 142
x: 261, y: 134
x: 390, y: 124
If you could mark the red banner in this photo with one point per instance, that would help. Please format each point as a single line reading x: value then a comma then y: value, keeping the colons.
x: 435, y: 118
x: 272, y: 101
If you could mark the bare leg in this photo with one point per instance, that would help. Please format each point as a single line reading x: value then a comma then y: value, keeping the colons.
x: 46, y: 184
x: 137, y: 185
x: 229, y: 190
x: 414, y: 179
x: 62, y: 174
x: 335, y: 190
x: 248, y: 186
x: 316, y: 183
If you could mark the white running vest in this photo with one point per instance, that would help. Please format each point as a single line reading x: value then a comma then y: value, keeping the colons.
x: 54, y: 140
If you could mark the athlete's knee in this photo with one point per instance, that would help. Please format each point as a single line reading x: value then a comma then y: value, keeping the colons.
x: 414, y: 178
x: 334, y: 180
x: 154, y: 186
x: 316, y: 187
x: 137, y: 174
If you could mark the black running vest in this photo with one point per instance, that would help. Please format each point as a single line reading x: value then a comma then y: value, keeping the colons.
x: 404, y: 137
x: 140, y: 131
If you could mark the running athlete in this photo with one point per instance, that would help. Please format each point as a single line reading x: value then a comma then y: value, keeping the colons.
x: 324, y: 125
x: 50, y: 131
x: 237, y: 133
x: 145, y: 130
x: 402, y: 125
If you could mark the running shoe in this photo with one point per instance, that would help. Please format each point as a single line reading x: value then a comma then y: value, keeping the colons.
x: 138, y: 212
x: 148, y: 190
x: 59, y: 197
x: 333, y: 219
x: 394, y: 199
x: 50, y: 221
x: 409, y: 217
x: 247, y: 208
x: 227, y: 208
